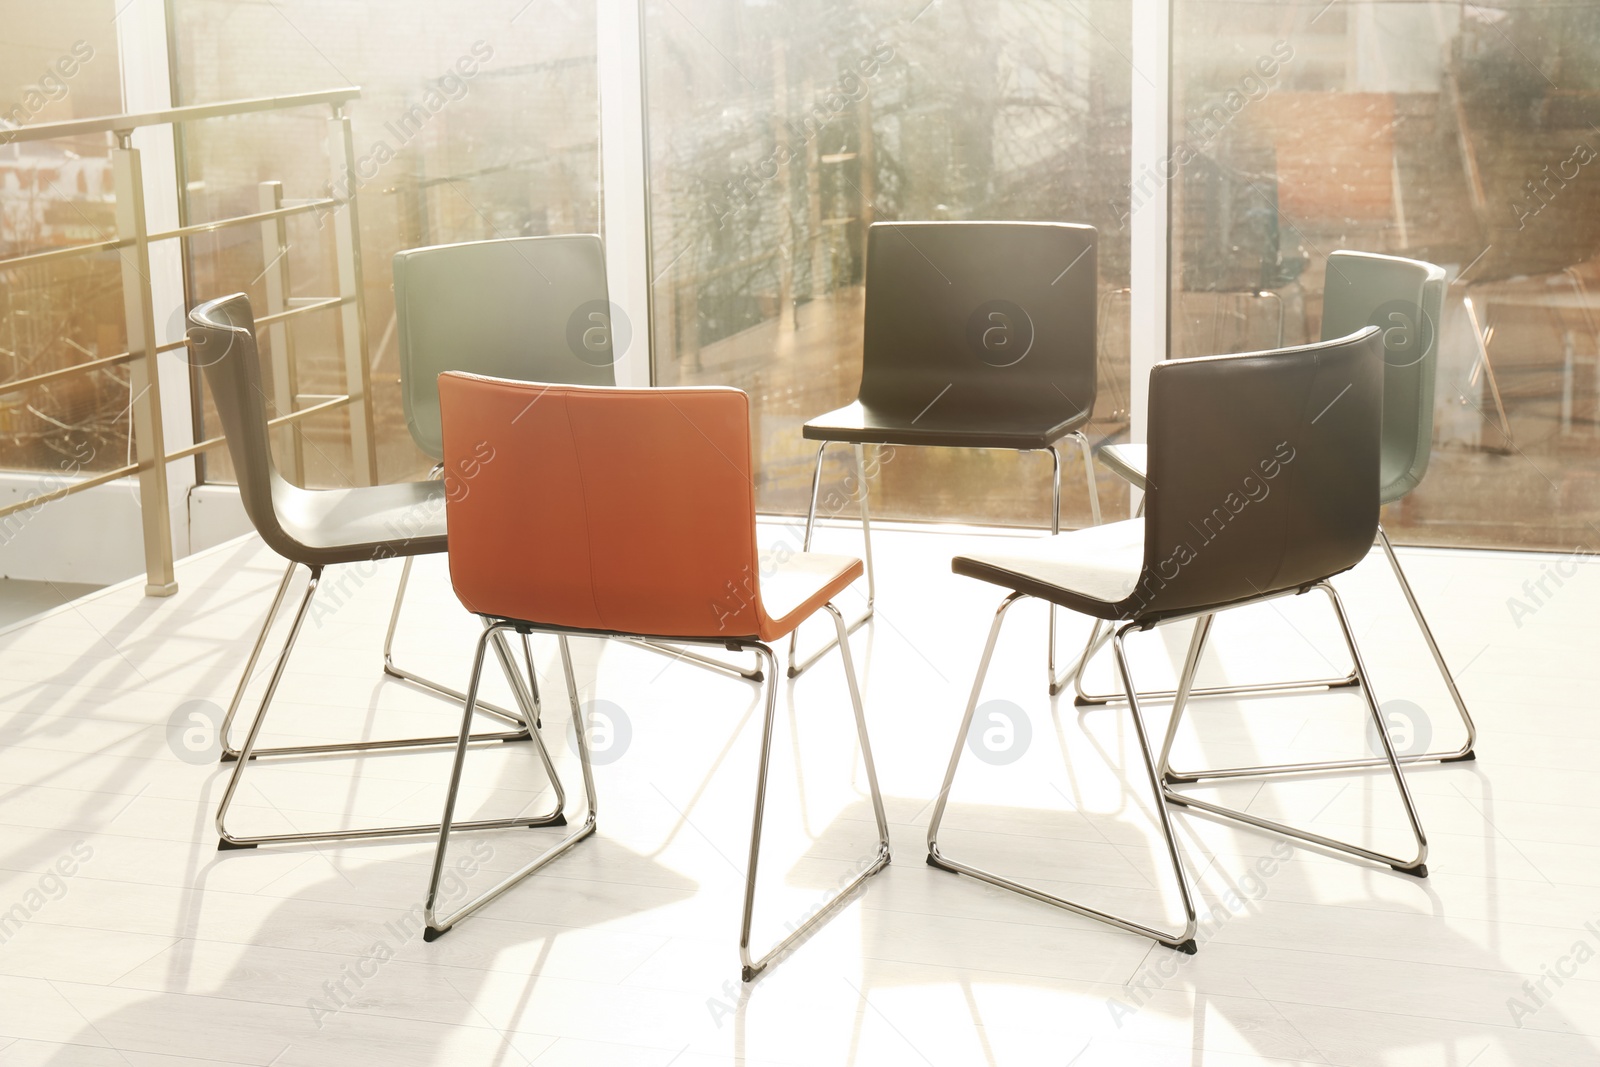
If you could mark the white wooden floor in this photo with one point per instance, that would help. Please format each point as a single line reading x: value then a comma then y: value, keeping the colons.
x: 127, y: 939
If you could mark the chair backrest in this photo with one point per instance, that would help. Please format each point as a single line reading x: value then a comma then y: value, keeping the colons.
x: 614, y: 510
x: 222, y: 342
x: 530, y: 308
x: 1405, y: 299
x: 1263, y: 472
x: 995, y: 318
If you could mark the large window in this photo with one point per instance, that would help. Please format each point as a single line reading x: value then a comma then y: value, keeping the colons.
x: 58, y: 61
x: 1462, y: 134
x: 475, y: 121
x: 779, y: 132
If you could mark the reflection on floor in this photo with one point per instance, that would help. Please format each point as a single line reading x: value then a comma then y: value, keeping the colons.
x: 125, y: 938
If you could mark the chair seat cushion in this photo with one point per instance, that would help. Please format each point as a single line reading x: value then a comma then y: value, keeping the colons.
x: 1092, y: 571
x: 795, y: 588
x: 958, y: 426
x: 366, y: 522
x: 1127, y: 461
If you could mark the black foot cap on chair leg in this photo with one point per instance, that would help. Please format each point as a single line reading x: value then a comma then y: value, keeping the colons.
x: 757, y: 676
x: 794, y: 672
x: 229, y: 757
x: 224, y: 845
x: 747, y: 974
x: 1188, y: 947
x: 1419, y: 871
x: 433, y: 933
x: 1349, y: 683
x: 559, y: 820
x: 1084, y: 702
x: 1465, y: 757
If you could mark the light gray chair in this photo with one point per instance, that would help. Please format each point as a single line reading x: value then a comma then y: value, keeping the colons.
x: 1405, y: 299
x: 317, y: 529
x: 1299, y: 428
x: 530, y: 309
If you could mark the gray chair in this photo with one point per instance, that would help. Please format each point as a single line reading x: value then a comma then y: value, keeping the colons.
x: 531, y: 309
x: 317, y: 529
x: 1404, y: 298
x: 976, y: 335
x: 1298, y: 429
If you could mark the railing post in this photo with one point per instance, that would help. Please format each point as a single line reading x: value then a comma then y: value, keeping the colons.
x: 285, y: 378
x: 143, y: 377
x: 353, y: 315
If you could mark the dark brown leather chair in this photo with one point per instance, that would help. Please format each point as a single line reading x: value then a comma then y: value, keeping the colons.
x: 1405, y: 299
x: 977, y: 335
x: 316, y: 529
x: 1263, y: 483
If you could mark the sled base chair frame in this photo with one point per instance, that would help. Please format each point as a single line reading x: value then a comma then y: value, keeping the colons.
x: 1160, y: 778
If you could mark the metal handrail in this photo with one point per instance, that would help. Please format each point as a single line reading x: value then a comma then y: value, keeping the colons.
x: 281, y: 420
x: 19, y: 384
x: 195, y: 229
x: 64, y: 253
x: 135, y: 237
x: 41, y: 499
x: 124, y: 124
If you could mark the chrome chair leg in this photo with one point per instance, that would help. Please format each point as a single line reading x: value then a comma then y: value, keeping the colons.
x: 228, y: 840
x: 1059, y: 682
x: 866, y: 530
x: 1055, y: 529
x: 1184, y: 940
x: 1416, y: 866
x: 1098, y: 636
x: 1191, y: 665
x: 1465, y: 752
x: 226, y: 731
x: 393, y: 671
x: 753, y: 967
x: 1088, y: 470
x: 439, y: 924
x: 1461, y: 754
x: 404, y: 675
x: 1084, y: 699
x: 795, y: 670
x: 527, y: 699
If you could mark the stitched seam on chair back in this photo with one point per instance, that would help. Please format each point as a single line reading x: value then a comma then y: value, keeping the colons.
x: 583, y: 496
x: 1292, y: 490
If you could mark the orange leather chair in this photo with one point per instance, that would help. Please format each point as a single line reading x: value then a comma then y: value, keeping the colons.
x: 623, y: 513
